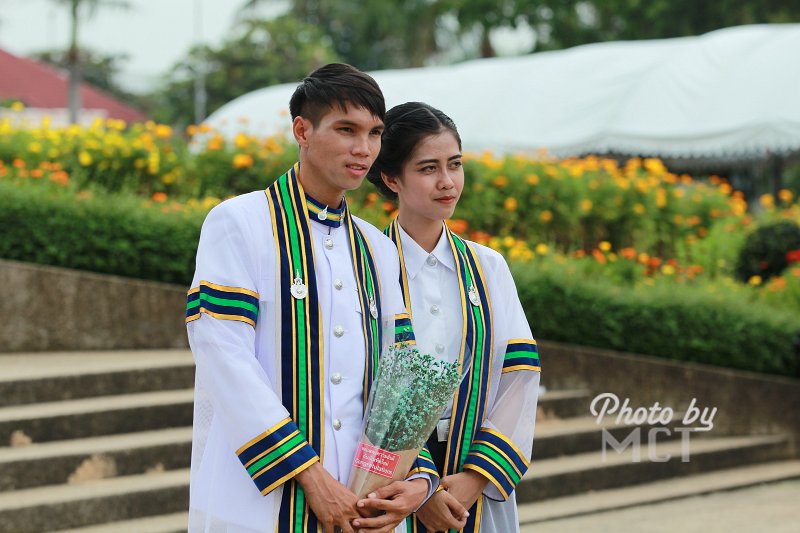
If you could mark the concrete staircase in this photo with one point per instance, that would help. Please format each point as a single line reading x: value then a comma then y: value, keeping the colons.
x: 101, y: 442
x: 95, y: 441
x: 570, y: 476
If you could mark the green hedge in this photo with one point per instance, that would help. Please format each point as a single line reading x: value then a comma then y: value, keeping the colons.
x: 120, y: 235
x: 100, y: 233
x: 676, y: 322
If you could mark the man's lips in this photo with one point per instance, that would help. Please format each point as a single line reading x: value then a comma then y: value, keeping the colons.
x: 357, y: 168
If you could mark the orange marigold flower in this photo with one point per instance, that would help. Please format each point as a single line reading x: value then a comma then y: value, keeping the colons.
x: 500, y: 181
x: 457, y: 225
x: 628, y: 253
x: 388, y: 206
x: 546, y: 216
x: 480, y: 237
x: 159, y: 197
x: 599, y: 256
x: 18, y: 163
x: 242, y: 161
x: 510, y: 204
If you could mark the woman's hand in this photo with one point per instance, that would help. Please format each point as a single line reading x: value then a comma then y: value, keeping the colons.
x: 442, y: 512
x: 466, y: 486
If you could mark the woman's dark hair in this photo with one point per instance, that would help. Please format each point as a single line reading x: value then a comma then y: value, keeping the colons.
x: 336, y: 84
x: 405, y: 126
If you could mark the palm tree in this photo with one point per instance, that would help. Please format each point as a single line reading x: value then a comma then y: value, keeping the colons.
x: 73, y: 56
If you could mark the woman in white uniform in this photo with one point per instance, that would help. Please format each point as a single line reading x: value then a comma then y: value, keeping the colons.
x: 464, y: 306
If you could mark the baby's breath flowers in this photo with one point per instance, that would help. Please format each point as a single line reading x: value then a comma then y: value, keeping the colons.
x: 408, y: 397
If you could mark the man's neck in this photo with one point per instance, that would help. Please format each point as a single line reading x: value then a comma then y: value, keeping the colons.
x: 424, y: 231
x: 319, y: 190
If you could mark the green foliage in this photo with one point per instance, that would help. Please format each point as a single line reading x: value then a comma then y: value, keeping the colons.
x: 261, y: 53
x: 764, y: 251
x: 97, y: 69
x: 121, y: 235
x: 686, y: 323
x: 407, y: 399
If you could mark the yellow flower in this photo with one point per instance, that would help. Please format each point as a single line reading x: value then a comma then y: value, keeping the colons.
x: 542, y: 248
x: 500, y: 181
x: 532, y: 179
x: 767, y: 201
x: 755, y: 281
x: 35, y: 147
x: 85, y: 159
x: 508, y: 241
x: 661, y: 198
x: 546, y: 216
x: 510, y: 204
x: 586, y: 205
x: 605, y: 246
x: 241, y: 141
x: 785, y: 195
x: 242, y: 161
x: 494, y: 243
x: 668, y: 270
x: 215, y: 143
x: 163, y: 131
x: 17, y: 106
x: 639, y: 209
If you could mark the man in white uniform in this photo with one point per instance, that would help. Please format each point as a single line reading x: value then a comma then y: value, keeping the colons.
x: 285, y: 322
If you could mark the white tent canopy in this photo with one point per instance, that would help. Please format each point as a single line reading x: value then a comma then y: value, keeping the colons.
x: 732, y: 94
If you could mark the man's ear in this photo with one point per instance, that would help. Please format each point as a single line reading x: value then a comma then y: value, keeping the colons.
x: 390, y: 182
x: 301, y: 127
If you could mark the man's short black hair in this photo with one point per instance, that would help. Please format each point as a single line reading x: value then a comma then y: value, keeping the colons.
x: 336, y: 84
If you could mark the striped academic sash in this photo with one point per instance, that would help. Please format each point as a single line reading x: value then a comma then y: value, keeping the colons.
x: 301, y: 335
x: 469, y: 403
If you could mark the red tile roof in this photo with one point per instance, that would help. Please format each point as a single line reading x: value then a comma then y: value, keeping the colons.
x: 42, y: 86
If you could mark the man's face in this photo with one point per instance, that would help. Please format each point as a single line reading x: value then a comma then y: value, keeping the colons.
x: 337, y: 153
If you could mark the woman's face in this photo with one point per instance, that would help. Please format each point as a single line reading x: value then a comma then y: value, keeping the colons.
x: 432, y: 179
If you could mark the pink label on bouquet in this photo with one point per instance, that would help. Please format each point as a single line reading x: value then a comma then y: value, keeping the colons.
x: 376, y: 460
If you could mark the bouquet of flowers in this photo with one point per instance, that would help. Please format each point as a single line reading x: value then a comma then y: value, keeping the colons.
x: 408, y: 396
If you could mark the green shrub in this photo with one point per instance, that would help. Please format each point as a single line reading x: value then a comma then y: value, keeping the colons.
x: 764, y: 251
x: 114, y: 235
x: 675, y: 322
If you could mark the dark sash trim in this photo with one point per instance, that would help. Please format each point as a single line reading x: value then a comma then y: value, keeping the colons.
x: 469, y: 403
x: 302, y: 347
x: 221, y: 302
x: 521, y: 354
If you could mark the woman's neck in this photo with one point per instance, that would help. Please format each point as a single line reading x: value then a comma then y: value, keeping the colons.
x: 424, y: 231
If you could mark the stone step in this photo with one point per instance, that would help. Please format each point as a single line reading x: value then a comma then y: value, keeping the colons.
x: 171, y: 523
x: 94, y: 502
x: 656, y: 492
x: 558, y: 437
x: 33, y: 378
x: 564, y: 403
x: 574, y: 474
x: 104, y: 415
x: 59, y: 462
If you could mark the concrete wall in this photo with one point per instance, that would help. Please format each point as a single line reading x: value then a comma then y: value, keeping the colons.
x: 50, y: 308
x: 747, y: 403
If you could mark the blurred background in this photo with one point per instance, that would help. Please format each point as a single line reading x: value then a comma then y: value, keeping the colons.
x: 637, y: 163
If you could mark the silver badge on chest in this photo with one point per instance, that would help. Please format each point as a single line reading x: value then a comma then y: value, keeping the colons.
x: 299, y: 289
x: 323, y: 215
x: 473, y: 296
x: 373, y: 309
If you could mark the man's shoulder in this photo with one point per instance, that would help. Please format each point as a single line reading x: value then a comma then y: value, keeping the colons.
x: 375, y: 236
x: 241, y: 205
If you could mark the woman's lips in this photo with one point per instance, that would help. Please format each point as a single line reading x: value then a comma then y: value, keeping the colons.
x: 447, y: 200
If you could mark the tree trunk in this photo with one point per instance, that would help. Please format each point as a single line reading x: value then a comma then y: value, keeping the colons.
x: 73, y: 60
